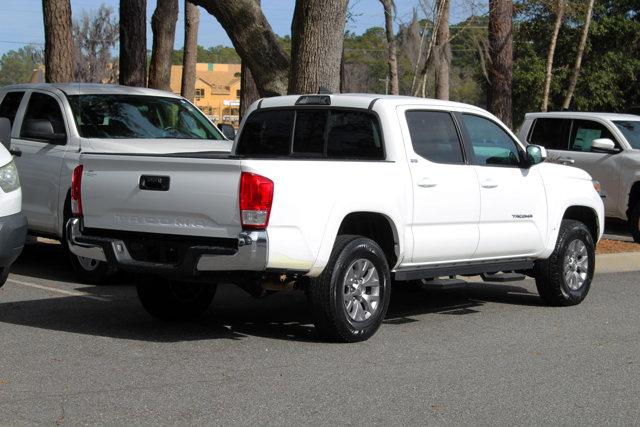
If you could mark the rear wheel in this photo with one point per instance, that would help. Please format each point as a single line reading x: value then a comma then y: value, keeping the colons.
x: 565, y: 277
x: 350, y: 298
x: 91, y: 271
x: 634, y: 222
x: 174, y: 300
x: 4, y: 274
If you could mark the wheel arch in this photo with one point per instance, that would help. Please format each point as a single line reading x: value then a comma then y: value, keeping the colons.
x: 375, y: 226
x: 585, y: 215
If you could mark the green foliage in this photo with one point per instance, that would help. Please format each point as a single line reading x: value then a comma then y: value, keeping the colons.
x: 16, y: 66
x: 216, y: 54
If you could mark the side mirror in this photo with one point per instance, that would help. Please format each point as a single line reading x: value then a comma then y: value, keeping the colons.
x: 5, y: 132
x: 536, y: 154
x: 41, y: 129
x: 604, y: 145
x: 227, y: 130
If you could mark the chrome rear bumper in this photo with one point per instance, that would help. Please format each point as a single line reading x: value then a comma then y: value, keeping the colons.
x: 249, y: 255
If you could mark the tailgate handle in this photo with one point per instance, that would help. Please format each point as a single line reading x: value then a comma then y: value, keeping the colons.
x: 154, y: 183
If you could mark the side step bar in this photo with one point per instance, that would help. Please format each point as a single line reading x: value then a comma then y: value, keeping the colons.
x: 468, y: 269
x: 503, y: 277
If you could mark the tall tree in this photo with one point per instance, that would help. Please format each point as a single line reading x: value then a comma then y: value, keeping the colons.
x: 248, y: 89
x: 442, y: 53
x: 317, y: 36
x: 389, y: 7
x: 254, y: 41
x: 421, y: 88
x: 500, y: 67
x: 560, y: 4
x: 163, y: 25
x: 581, y: 47
x: 94, y: 37
x: 58, y: 44
x: 190, y: 52
x: 133, y: 42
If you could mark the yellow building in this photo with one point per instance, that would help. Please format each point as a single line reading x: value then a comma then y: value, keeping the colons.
x: 217, y: 90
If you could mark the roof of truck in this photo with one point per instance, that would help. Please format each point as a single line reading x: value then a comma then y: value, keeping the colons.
x: 92, y: 89
x: 584, y: 114
x: 366, y: 100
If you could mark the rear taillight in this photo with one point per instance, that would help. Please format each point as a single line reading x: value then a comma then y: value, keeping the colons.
x: 76, y: 198
x: 256, y: 195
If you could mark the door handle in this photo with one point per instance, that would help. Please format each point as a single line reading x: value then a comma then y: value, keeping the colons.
x: 16, y: 153
x: 566, y: 160
x: 427, y: 183
x: 489, y: 183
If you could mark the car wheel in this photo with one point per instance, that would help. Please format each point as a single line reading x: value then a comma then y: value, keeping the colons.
x: 91, y: 271
x: 634, y: 222
x: 174, y: 300
x: 349, y: 300
x: 4, y: 274
x: 565, y: 277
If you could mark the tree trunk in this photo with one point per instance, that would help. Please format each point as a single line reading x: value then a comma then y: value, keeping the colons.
x: 422, y: 87
x: 443, y: 53
x: 133, y: 42
x: 58, y: 44
x: 190, y: 50
x: 248, y: 90
x: 163, y: 24
x: 391, y: 41
x: 254, y: 41
x: 551, y: 52
x: 581, y: 47
x: 501, y: 59
x: 317, y: 35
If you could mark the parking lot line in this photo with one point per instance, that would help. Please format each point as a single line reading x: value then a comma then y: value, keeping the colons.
x: 60, y: 291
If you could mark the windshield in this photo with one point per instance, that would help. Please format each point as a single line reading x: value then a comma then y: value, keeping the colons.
x: 139, y: 117
x: 631, y: 131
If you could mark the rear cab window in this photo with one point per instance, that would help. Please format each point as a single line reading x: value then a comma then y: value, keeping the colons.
x: 551, y: 133
x: 10, y: 104
x: 310, y: 132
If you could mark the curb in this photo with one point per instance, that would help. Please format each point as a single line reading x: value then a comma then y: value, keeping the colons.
x: 622, y: 262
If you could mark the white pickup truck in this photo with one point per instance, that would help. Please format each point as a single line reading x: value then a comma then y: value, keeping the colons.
x: 340, y: 195
x: 53, y: 124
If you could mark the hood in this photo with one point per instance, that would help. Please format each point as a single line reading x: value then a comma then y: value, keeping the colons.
x: 5, y: 157
x: 153, y: 146
x: 564, y: 171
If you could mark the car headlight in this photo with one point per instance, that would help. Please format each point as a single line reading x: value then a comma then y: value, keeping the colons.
x: 597, y: 186
x: 9, y: 180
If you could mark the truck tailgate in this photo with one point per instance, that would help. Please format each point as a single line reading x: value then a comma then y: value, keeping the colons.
x: 193, y: 196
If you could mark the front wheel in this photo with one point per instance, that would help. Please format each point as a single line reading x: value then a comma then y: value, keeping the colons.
x: 565, y: 277
x: 350, y: 298
x: 174, y: 300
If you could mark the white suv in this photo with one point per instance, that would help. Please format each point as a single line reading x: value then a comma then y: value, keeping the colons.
x: 604, y: 144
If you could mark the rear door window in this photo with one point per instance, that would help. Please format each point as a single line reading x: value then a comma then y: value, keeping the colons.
x: 321, y: 133
x: 584, y: 132
x: 10, y: 104
x: 551, y: 133
x: 434, y: 136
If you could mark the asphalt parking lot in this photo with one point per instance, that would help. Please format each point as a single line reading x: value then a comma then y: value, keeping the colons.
x: 489, y: 353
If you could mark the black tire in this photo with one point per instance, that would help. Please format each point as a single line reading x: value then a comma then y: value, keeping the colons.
x: 91, y: 272
x: 634, y: 222
x: 551, y: 281
x: 172, y: 300
x: 328, y: 306
x: 4, y: 274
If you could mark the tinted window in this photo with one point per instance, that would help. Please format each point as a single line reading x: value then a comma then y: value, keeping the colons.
x: 266, y: 133
x: 550, y: 133
x: 492, y: 146
x: 631, y: 131
x: 354, y: 135
x: 45, y: 107
x: 10, y: 104
x: 139, y: 117
x: 584, y: 132
x: 434, y: 136
x: 309, y: 133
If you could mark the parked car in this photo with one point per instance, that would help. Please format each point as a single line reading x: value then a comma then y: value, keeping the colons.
x: 13, y: 224
x: 340, y: 195
x: 53, y: 124
x: 603, y: 144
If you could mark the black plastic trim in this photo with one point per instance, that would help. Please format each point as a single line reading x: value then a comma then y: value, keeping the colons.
x: 455, y: 269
